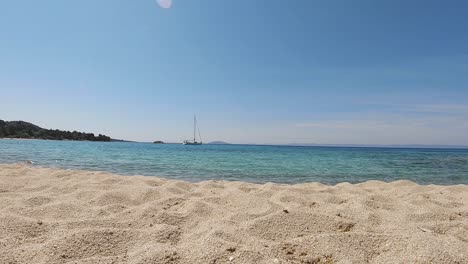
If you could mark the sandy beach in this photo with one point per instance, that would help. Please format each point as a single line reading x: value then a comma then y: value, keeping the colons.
x: 69, y: 216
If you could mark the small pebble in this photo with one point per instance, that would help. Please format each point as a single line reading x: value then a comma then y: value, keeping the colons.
x: 231, y: 249
x: 285, y: 211
x: 231, y: 258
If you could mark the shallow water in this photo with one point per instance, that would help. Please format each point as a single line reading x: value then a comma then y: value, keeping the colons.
x: 285, y: 164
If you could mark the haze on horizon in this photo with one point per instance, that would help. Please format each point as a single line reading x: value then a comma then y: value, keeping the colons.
x: 267, y: 71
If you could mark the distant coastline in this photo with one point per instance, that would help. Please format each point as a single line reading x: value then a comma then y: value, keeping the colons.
x: 219, y: 143
x: 26, y: 130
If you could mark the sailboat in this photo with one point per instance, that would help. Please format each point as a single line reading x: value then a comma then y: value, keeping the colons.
x: 195, y: 128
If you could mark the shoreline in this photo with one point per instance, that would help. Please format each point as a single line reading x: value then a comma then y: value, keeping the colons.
x: 324, y: 184
x: 66, y: 216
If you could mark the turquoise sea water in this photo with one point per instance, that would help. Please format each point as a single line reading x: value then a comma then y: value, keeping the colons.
x: 285, y: 164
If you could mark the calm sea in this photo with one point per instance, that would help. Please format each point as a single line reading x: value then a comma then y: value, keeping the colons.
x: 284, y: 164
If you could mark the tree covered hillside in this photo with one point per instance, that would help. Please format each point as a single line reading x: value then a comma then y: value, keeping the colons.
x: 21, y: 129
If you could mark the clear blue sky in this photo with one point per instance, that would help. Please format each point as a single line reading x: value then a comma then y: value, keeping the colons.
x: 264, y: 71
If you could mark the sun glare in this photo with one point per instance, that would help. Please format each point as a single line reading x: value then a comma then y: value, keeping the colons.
x: 164, y: 3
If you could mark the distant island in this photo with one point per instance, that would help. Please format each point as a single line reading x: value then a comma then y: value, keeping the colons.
x: 158, y: 142
x: 219, y: 143
x: 21, y: 129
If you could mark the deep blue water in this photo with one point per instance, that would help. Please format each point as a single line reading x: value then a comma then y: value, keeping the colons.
x: 285, y: 164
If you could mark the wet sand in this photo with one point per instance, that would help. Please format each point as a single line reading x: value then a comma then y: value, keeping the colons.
x: 69, y: 216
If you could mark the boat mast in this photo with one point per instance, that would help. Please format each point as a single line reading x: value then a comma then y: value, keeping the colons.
x: 194, y: 128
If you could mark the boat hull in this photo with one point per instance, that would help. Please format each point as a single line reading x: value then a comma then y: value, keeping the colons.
x: 192, y: 143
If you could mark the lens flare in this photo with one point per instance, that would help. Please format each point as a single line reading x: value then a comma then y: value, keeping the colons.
x: 164, y: 3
